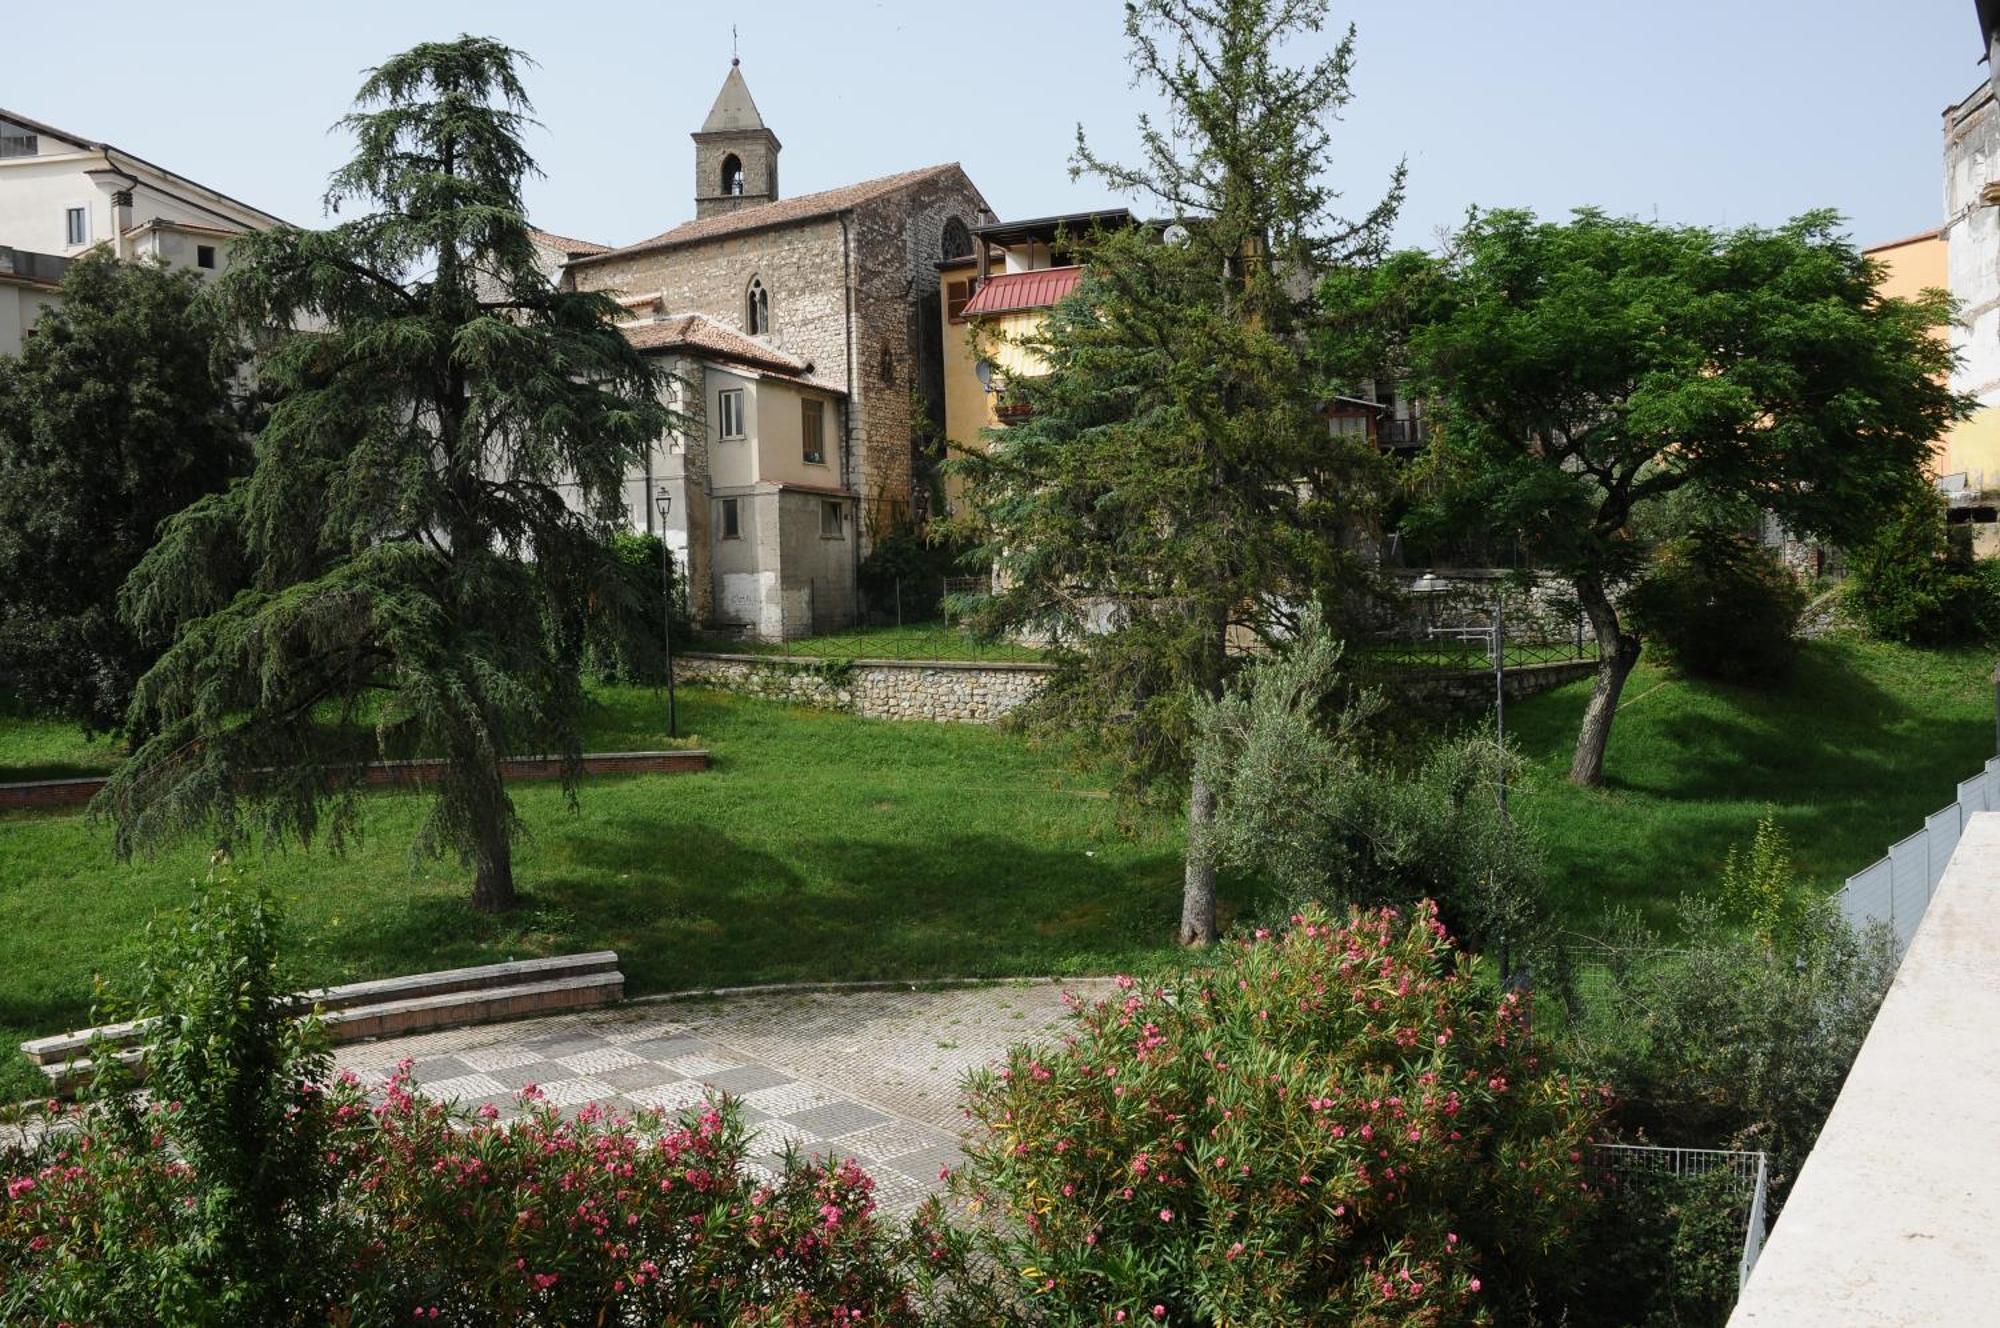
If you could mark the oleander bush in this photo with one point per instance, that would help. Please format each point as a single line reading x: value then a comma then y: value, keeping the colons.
x: 254, y: 1188
x: 1344, y: 1124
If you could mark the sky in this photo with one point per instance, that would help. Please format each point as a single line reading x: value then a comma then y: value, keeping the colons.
x: 1717, y: 112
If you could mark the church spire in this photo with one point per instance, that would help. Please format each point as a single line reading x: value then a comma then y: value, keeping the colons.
x: 735, y: 153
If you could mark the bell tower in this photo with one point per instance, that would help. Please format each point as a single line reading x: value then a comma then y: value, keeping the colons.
x: 735, y: 156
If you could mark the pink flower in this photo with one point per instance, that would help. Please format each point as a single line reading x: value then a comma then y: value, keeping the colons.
x: 1473, y: 1284
x: 1166, y: 1214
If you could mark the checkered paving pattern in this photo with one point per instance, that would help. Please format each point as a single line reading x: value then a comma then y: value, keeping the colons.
x: 870, y: 1075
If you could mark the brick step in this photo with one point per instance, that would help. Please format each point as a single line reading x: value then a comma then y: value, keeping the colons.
x: 394, y: 1006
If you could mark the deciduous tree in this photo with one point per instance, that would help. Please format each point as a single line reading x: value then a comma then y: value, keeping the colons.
x: 417, y: 578
x: 1580, y: 370
x: 119, y: 412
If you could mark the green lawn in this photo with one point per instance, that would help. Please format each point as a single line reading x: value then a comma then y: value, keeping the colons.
x: 1865, y: 741
x: 35, y: 748
x: 819, y: 846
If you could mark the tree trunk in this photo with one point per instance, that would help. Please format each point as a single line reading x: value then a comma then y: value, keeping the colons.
x: 1617, y: 652
x: 1198, y: 885
x: 493, y: 860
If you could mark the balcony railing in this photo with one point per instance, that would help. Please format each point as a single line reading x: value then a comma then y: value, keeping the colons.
x: 1398, y: 434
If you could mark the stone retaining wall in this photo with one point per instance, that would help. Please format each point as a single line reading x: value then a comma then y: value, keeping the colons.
x: 77, y: 792
x: 1474, y: 687
x: 934, y: 689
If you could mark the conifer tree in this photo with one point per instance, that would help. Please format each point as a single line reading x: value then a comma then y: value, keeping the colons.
x: 417, y: 578
x: 1172, y: 468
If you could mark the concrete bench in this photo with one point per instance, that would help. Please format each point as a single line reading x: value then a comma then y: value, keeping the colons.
x: 387, y: 1007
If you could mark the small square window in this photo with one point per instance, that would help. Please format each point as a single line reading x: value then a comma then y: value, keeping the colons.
x: 732, y: 520
x: 831, y: 520
x: 812, y: 427
x: 76, y: 226
x: 730, y: 412
x: 957, y: 294
x: 204, y: 255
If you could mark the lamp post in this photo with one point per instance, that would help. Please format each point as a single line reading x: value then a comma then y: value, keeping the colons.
x: 665, y: 502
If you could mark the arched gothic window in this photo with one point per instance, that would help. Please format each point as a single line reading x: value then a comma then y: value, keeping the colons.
x: 957, y: 239
x: 732, y: 174
x: 757, y: 308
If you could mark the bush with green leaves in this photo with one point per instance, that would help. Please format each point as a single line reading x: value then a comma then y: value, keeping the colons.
x: 624, y: 632
x: 1304, y: 803
x: 1725, y: 1041
x: 1343, y: 1124
x: 251, y: 1188
x: 1719, y: 605
x: 1918, y: 581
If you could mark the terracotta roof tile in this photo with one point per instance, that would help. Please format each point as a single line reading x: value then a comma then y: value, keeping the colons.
x: 705, y: 336
x: 549, y: 239
x: 1013, y: 291
x: 785, y: 210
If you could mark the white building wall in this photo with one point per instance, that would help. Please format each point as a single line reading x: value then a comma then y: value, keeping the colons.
x: 1972, y: 236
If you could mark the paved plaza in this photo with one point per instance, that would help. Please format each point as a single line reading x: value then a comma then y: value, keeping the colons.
x: 872, y: 1075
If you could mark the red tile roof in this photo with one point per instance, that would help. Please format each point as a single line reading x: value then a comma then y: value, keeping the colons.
x: 702, y: 335
x: 1011, y: 292
x: 785, y: 210
x: 564, y: 244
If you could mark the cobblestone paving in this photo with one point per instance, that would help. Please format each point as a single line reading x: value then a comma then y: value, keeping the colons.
x: 872, y: 1075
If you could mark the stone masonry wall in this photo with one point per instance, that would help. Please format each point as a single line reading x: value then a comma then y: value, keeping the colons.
x: 972, y: 693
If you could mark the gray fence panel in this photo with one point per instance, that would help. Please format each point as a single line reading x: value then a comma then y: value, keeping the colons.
x: 1909, y: 885
x: 1941, y: 830
x: 1975, y: 795
x: 1865, y: 899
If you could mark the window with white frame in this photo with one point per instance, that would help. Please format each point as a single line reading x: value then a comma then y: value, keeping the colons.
x: 732, y: 519
x: 832, y: 520
x: 812, y: 428
x: 18, y: 140
x: 729, y: 413
x: 76, y: 226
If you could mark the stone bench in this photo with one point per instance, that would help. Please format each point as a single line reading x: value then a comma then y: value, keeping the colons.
x: 387, y: 1007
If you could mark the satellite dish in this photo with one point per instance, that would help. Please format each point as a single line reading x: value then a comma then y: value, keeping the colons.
x: 1175, y: 235
x: 984, y: 373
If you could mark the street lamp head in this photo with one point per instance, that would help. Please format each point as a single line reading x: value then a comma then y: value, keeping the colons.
x: 1429, y: 584
x: 664, y: 501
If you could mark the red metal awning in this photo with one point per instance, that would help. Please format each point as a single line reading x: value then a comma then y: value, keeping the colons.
x: 1011, y: 292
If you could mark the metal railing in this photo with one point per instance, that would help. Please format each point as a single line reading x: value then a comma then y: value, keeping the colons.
x: 1897, y: 888
x: 1456, y: 628
x: 1752, y: 1171
x: 907, y: 619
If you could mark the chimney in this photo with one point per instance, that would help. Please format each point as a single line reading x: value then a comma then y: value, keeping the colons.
x: 121, y: 214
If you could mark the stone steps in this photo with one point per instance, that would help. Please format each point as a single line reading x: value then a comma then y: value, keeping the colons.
x: 388, y: 1007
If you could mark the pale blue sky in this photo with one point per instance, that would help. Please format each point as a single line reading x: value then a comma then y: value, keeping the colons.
x: 1712, y: 111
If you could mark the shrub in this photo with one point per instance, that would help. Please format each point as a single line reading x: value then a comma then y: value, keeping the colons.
x: 1304, y: 804
x: 1917, y: 580
x: 1341, y: 1125
x: 1760, y: 889
x: 1721, y: 606
x: 625, y: 638
x: 251, y: 1190
x: 1727, y: 1042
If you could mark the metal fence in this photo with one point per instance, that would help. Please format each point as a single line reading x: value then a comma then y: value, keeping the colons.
x: 1752, y: 1171
x: 907, y: 618
x: 1897, y: 888
x: 1455, y: 627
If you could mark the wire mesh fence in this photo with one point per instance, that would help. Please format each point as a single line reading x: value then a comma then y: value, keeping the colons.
x: 903, y: 619
x: 1897, y: 888
x: 1461, y: 625
x: 1751, y: 1172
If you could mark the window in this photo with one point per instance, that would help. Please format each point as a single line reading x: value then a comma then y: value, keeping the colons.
x: 18, y: 140
x: 730, y: 413
x: 732, y: 175
x: 204, y: 255
x: 957, y: 239
x: 812, y: 428
x: 757, y: 308
x: 830, y: 520
x: 76, y: 226
x: 732, y: 520
x: 957, y: 294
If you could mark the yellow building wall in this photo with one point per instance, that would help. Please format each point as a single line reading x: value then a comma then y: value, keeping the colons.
x: 1911, y: 267
x: 969, y: 407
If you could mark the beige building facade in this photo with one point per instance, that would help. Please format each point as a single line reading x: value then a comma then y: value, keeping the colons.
x: 63, y: 195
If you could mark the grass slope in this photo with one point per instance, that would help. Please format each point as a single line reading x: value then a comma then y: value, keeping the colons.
x: 1862, y: 743
x: 820, y: 846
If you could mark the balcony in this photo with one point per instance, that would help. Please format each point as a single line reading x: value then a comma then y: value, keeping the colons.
x: 1402, y: 435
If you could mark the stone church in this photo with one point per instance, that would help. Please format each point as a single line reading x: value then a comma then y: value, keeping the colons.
x: 804, y: 334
